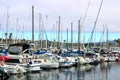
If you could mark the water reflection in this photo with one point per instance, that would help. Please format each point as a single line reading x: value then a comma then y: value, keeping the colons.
x: 17, y: 77
x: 103, y: 71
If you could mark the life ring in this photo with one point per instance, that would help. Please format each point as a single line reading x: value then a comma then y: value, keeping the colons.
x: 24, y: 60
x: 2, y: 63
x: 27, y: 60
x: 45, y: 60
x: 35, y: 57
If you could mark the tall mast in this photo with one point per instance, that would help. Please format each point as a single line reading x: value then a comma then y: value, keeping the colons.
x: 32, y: 24
x: 94, y: 40
x: 40, y: 41
x: 101, y: 42
x: 67, y: 39
x: 78, y: 34
x: 16, y: 30
x: 107, y: 38
x: 46, y: 27
x: 1, y: 32
x: 95, y: 23
x: 56, y: 34
x: 59, y: 33
x: 71, y: 35
x: 6, y: 34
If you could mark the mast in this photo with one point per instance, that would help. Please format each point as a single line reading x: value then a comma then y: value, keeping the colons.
x: 107, y: 39
x: 1, y: 30
x: 79, y: 35
x: 94, y: 44
x: 85, y: 14
x: 6, y: 34
x: 40, y: 42
x: 101, y: 42
x: 32, y: 24
x: 46, y: 27
x: 16, y: 30
x: 54, y: 36
x: 1, y: 33
x: 71, y: 35
x: 67, y: 40
x: 59, y: 33
x: 95, y: 23
x: 96, y: 19
x: 23, y: 31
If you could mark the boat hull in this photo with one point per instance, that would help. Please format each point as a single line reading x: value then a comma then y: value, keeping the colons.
x: 49, y: 65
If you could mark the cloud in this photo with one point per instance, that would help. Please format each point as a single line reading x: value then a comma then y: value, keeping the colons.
x: 69, y: 10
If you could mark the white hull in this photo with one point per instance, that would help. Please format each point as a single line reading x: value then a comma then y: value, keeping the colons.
x: 65, y: 64
x: 81, y: 60
x: 49, y: 65
x: 12, y: 69
x: 32, y: 67
x: 112, y: 59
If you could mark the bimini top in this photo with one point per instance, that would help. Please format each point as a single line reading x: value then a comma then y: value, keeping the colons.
x: 17, y: 48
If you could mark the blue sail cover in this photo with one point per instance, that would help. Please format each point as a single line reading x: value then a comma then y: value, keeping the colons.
x: 71, y: 53
x: 40, y: 52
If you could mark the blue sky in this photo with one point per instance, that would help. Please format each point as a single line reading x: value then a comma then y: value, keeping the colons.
x: 69, y: 10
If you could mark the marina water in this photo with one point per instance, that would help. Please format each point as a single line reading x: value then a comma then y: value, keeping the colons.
x: 103, y: 71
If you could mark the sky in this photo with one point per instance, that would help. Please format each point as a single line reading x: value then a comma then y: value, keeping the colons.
x: 20, y: 19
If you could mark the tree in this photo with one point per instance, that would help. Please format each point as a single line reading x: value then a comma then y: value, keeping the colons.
x: 118, y: 41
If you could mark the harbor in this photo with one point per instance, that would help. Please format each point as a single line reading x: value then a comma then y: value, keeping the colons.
x: 22, y: 61
x: 104, y: 71
x: 59, y: 40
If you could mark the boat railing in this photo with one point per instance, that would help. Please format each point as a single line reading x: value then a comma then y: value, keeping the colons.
x: 24, y: 51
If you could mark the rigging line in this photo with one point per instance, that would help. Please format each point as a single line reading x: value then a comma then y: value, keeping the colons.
x: 53, y: 28
x: 104, y: 27
x: 1, y: 19
x: 23, y: 31
x: 44, y: 29
x: 1, y: 28
x: 7, y: 19
x: 45, y: 33
x: 28, y: 17
x: 90, y: 39
x: 85, y: 14
x: 96, y: 20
